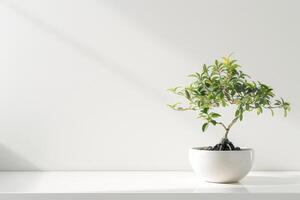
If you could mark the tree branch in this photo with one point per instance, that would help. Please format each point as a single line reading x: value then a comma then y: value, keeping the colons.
x: 222, y: 125
x: 229, y: 126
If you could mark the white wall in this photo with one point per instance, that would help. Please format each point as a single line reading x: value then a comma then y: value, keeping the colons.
x: 83, y: 83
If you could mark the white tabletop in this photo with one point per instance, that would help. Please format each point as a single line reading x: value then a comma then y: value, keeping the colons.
x: 274, y: 184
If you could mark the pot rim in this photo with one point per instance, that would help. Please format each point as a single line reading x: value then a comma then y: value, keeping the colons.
x: 243, y: 149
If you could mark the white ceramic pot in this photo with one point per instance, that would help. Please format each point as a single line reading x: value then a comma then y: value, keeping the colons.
x: 221, y: 166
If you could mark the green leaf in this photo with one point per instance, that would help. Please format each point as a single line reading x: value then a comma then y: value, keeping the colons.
x: 213, y: 122
x: 223, y: 102
x: 173, y: 89
x: 237, y: 113
x: 193, y: 75
x: 187, y: 94
x: 216, y: 62
x: 174, y: 106
x: 247, y: 107
x: 241, y: 117
x: 215, y: 115
x: 204, y: 127
x: 277, y: 103
x: 259, y: 110
x: 205, y: 110
x: 204, y: 68
x: 289, y: 108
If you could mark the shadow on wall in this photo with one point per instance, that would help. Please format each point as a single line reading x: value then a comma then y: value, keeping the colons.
x: 10, y: 160
x: 85, y: 50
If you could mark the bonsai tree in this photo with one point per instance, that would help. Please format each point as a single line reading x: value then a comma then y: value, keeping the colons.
x: 223, y: 84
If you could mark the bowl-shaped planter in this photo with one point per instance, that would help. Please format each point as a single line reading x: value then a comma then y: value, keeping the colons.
x: 221, y: 166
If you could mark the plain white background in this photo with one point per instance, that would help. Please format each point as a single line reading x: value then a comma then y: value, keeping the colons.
x: 83, y: 83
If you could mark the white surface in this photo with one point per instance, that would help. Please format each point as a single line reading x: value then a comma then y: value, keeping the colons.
x: 83, y: 83
x: 221, y: 166
x: 144, y: 182
x: 86, y: 185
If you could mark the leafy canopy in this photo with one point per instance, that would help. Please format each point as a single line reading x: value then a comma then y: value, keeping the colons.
x: 223, y: 84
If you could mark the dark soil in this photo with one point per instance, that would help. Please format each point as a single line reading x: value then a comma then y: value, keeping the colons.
x: 224, y: 145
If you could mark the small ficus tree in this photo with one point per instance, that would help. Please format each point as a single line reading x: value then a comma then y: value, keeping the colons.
x: 223, y: 84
